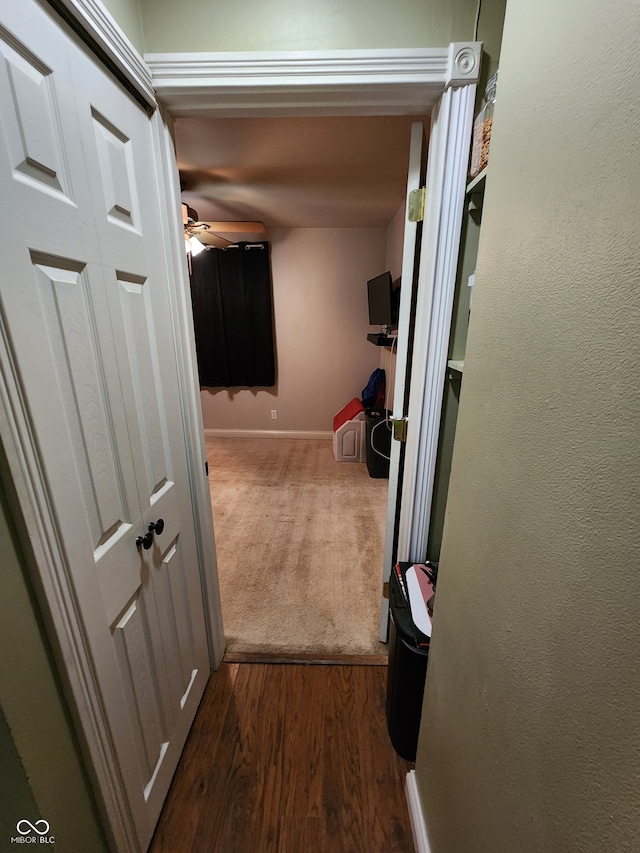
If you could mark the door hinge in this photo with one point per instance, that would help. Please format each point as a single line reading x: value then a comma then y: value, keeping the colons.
x: 399, y: 428
x: 416, y: 204
x: 385, y: 590
x: 206, y: 468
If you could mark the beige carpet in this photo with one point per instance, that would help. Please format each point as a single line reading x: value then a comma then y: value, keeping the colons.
x: 299, y: 541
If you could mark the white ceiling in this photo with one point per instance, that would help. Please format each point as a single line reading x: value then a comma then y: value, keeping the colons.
x: 312, y: 172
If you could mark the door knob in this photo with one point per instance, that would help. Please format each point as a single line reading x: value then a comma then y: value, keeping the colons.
x: 145, y: 541
x: 158, y: 526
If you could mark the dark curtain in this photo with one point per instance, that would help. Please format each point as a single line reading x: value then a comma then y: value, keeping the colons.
x: 233, y: 316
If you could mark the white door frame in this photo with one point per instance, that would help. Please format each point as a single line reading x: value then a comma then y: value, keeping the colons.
x: 189, y: 387
x: 446, y: 181
x: 399, y: 81
x: 411, y: 248
x: 368, y: 82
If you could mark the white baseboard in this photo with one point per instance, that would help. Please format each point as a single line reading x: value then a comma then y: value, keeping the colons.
x: 267, y: 433
x: 418, y: 826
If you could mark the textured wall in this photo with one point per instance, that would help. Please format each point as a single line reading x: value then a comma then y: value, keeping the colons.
x: 531, y: 729
x: 321, y: 324
x: 395, y: 242
x: 129, y: 18
x: 38, y: 741
x: 208, y: 25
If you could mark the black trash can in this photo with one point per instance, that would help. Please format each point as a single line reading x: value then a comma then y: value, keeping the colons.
x: 406, y: 674
x: 378, y: 435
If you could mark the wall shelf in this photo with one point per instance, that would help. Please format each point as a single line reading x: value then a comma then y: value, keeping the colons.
x: 477, y: 184
x: 381, y: 340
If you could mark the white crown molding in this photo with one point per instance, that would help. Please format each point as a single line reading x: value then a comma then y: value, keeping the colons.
x: 357, y: 82
x: 317, y: 63
x: 98, y: 28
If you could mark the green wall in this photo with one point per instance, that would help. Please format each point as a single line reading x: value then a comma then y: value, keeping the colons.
x: 530, y: 737
x: 128, y: 15
x: 42, y: 775
x: 15, y: 793
x: 158, y: 26
x: 453, y: 380
x: 253, y: 25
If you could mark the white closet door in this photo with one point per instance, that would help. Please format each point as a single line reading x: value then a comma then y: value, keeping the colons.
x: 431, y: 259
x: 123, y: 180
x: 411, y: 248
x: 84, y: 300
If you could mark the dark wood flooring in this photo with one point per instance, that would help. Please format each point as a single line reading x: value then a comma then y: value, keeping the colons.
x: 289, y: 758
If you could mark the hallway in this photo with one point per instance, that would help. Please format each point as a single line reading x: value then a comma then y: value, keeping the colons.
x: 289, y: 759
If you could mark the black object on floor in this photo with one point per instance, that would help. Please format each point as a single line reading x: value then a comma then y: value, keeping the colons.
x: 378, y: 435
x: 407, y: 671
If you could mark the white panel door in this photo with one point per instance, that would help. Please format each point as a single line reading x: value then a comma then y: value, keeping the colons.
x: 410, y: 265
x: 431, y: 257
x: 84, y: 298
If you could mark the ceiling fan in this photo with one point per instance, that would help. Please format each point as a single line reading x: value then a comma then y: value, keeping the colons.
x: 210, y: 233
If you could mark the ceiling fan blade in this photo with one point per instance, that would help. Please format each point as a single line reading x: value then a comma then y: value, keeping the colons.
x: 223, y: 227
x: 210, y: 239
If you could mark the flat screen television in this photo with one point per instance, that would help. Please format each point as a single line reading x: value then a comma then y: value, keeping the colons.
x: 384, y: 301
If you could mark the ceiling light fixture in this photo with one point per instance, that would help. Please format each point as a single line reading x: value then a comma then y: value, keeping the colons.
x: 195, y: 246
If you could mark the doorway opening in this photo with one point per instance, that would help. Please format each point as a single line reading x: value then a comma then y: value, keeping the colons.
x: 299, y: 536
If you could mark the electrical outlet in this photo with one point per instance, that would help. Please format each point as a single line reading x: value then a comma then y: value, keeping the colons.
x: 274, y: 414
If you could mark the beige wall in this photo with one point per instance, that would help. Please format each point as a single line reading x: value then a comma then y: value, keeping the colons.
x: 129, y: 18
x: 321, y: 325
x: 531, y: 724
x: 216, y: 25
x: 209, y: 25
x: 395, y: 237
